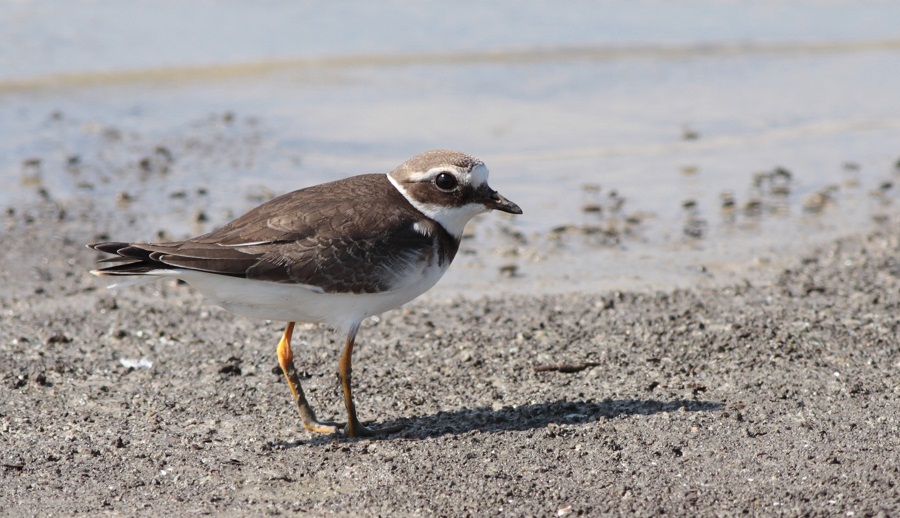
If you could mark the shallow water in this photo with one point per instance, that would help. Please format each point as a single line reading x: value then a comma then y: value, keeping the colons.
x: 647, y: 142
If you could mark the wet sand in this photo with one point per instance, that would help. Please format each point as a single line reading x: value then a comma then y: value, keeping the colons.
x: 753, y: 397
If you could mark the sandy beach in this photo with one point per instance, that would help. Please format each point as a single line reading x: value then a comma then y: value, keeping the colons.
x: 771, y: 398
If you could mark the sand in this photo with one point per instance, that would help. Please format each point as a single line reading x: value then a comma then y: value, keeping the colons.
x: 761, y: 398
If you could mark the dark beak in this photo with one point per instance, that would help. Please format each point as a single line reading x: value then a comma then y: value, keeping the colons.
x: 497, y: 201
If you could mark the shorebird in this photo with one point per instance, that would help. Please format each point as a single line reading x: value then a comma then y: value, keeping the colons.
x: 334, y: 253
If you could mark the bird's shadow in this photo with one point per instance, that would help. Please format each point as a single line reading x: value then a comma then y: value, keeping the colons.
x: 525, y: 417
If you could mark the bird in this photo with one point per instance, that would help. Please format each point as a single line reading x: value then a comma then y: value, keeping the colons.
x: 334, y: 253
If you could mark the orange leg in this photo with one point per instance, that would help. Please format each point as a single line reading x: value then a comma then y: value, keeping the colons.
x: 354, y: 428
x: 307, y: 415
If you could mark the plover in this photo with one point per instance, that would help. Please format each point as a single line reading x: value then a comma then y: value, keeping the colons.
x: 334, y: 253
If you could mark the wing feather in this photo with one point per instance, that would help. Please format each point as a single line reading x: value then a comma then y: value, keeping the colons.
x: 321, y: 236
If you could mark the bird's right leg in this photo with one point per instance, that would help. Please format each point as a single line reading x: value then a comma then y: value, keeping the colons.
x: 307, y: 415
x: 354, y: 427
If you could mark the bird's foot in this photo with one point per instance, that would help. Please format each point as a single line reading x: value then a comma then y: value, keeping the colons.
x: 317, y: 426
x: 358, y: 430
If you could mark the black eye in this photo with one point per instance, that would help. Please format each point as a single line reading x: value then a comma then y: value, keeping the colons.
x: 446, y: 182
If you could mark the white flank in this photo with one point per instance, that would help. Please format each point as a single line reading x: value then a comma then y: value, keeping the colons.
x: 296, y: 302
x: 422, y: 230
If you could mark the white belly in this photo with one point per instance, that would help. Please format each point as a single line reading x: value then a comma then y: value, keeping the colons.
x: 297, y: 303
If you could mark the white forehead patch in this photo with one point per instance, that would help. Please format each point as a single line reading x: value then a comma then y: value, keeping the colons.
x: 479, y: 175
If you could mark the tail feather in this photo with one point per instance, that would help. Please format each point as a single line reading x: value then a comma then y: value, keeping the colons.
x: 128, y: 269
x: 110, y: 247
x: 127, y: 260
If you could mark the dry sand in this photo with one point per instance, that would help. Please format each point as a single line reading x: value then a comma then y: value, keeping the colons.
x: 751, y: 399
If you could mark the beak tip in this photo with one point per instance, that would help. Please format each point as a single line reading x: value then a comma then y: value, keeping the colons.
x: 505, y: 205
x: 496, y: 201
